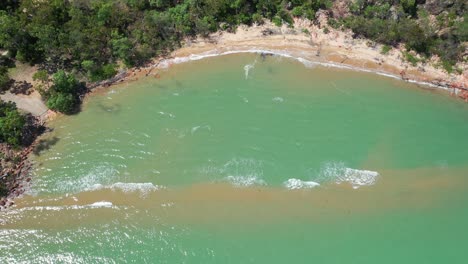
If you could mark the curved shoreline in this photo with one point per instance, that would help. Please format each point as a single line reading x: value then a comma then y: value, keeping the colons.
x: 307, y: 63
x: 336, y: 49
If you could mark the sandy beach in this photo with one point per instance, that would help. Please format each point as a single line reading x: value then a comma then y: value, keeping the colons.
x: 336, y: 48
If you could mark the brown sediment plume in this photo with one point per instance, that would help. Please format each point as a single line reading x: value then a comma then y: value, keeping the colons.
x: 406, y: 189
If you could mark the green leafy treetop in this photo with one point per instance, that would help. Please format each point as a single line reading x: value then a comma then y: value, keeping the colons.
x: 11, y: 123
x: 63, y: 95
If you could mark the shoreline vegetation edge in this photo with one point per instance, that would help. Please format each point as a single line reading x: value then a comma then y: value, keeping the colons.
x: 336, y: 49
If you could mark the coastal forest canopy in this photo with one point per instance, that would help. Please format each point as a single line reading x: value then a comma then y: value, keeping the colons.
x: 93, y: 38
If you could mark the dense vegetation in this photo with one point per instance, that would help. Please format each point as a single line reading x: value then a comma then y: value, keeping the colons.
x: 63, y: 95
x: 93, y: 38
x: 436, y: 28
x: 11, y: 124
x: 4, y: 78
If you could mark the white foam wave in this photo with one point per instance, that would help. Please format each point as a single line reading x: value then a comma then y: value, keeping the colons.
x: 358, y: 178
x: 96, y: 205
x: 307, y: 63
x: 195, y: 128
x: 143, y: 188
x: 245, y: 181
x: 166, y: 114
x: 294, y: 184
x: 102, y: 174
x: 278, y: 99
x: 240, y: 172
x: 101, y: 204
x: 339, y: 173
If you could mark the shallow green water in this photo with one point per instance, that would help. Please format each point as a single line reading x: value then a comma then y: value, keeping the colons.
x: 218, y: 161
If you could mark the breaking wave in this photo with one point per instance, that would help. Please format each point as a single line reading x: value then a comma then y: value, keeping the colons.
x: 144, y: 188
x: 294, y: 184
x: 96, y: 205
x: 240, y: 172
x: 245, y: 181
x: 339, y: 173
x: 101, y: 174
x: 245, y: 172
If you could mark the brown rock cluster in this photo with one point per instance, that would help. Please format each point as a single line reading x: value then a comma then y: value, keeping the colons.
x: 14, y: 168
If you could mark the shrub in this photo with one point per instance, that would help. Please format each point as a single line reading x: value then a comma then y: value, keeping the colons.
x: 410, y: 58
x: 385, y: 49
x: 4, y: 78
x: 448, y: 66
x: 334, y: 23
x: 108, y: 71
x: 297, y: 11
x: 286, y: 17
x: 277, y: 21
x: 257, y: 18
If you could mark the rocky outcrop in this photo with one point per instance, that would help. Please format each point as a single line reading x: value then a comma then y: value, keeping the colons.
x: 14, y: 171
x: 14, y: 163
x: 464, y: 95
x: 340, y: 9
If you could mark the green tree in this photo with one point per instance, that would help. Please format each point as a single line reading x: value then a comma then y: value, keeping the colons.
x: 11, y: 123
x: 63, y: 102
x: 122, y: 48
x: 63, y: 94
x: 409, y: 6
x: 64, y: 83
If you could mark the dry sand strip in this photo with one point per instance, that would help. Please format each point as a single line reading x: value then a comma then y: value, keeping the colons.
x: 29, y: 103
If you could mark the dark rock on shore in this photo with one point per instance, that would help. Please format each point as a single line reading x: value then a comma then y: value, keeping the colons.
x: 14, y: 163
